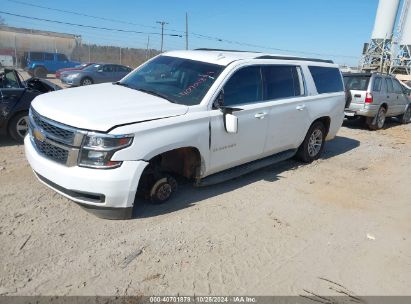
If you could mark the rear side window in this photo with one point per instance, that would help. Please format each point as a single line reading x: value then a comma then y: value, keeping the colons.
x: 48, y: 56
x: 282, y: 82
x: 36, y: 56
x: 327, y: 80
x: 390, y: 87
x: 377, y: 84
x: 244, y: 86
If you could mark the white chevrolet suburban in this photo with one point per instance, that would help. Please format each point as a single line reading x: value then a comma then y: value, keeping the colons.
x: 202, y: 115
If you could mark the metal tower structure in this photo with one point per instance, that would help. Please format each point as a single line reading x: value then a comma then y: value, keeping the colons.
x: 401, y: 63
x: 377, y: 55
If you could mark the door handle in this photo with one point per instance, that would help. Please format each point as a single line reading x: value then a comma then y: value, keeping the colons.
x: 300, y: 107
x: 260, y: 115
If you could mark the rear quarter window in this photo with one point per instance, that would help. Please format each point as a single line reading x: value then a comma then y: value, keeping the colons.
x: 326, y: 79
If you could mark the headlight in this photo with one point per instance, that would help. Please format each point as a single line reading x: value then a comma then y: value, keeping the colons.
x: 71, y: 76
x: 97, y: 150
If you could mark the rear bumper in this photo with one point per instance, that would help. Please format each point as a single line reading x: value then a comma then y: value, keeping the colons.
x: 368, y: 110
x: 109, y: 193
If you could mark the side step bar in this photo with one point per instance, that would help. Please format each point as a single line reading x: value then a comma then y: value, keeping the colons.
x: 245, y: 169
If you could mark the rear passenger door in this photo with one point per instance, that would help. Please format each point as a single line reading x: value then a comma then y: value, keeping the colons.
x: 391, y: 97
x: 284, y: 92
x: 379, y: 93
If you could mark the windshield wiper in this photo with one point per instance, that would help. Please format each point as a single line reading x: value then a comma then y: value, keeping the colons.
x: 156, y: 94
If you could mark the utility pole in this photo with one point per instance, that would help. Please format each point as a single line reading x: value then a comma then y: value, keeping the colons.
x: 148, y: 44
x: 186, y: 31
x: 120, y: 54
x: 162, y: 23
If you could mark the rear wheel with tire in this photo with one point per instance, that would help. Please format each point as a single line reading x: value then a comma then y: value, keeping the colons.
x: 86, y: 81
x: 40, y: 72
x: 19, y: 126
x: 378, y: 121
x: 163, y: 189
x: 406, y: 117
x: 313, y: 144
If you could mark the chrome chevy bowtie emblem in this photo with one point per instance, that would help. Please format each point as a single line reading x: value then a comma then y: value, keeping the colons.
x: 39, y: 135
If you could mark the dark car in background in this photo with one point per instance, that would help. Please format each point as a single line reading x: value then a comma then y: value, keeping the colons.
x: 96, y: 73
x: 39, y: 64
x: 76, y: 68
x: 15, y: 99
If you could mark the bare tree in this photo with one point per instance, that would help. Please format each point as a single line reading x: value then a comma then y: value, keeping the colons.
x: 2, y: 21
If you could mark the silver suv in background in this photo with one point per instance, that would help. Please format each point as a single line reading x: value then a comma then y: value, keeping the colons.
x: 376, y: 96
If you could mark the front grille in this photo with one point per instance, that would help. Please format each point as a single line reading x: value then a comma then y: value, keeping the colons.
x: 53, y: 152
x: 58, y: 134
x: 55, y: 141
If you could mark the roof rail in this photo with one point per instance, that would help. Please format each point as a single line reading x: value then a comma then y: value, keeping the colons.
x: 222, y: 50
x: 294, y: 58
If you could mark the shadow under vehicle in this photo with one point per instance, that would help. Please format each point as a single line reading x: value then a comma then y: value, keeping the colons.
x: 16, y: 96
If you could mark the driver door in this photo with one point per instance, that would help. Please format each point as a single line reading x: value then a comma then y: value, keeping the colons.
x: 243, y: 91
x: 11, y: 90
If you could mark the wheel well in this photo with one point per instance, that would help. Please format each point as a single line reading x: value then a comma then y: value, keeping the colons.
x: 183, y: 162
x: 326, y: 121
x: 12, y: 117
x: 40, y: 67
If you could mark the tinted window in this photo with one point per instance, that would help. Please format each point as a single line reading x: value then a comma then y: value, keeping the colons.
x: 36, y: 56
x: 397, y: 87
x: 327, y: 80
x: 377, y: 84
x: 62, y: 57
x: 359, y: 83
x: 108, y: 68
x: 243, y: 87
x: 121, y: 68
x: 281, y: 82
x: 9, y: 80
x: 48, y: 56
x: 390, y: 88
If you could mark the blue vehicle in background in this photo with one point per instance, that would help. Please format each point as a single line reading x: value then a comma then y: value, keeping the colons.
x: 39, y: 64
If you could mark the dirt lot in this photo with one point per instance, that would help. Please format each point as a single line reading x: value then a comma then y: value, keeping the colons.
x: 341, y: 224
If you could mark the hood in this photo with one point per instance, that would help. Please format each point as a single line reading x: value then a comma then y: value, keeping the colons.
x: 101, y: 107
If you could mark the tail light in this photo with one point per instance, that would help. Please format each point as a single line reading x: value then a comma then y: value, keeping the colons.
x: 368, y: 98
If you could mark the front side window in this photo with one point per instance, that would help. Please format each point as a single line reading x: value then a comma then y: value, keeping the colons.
x: 179, y: 80
x: 245, y: 86
x: 326, y: 79
x: 9, y: 80
x: 282, y: 82
x: 397, y: 87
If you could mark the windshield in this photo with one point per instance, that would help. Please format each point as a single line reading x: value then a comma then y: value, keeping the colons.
x: 359, y: 83
x: 178, y: 80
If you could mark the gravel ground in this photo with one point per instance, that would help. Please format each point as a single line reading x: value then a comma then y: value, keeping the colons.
x: 338, y: 225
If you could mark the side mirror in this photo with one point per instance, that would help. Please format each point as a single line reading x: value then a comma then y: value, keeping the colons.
x: 231, y: 123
